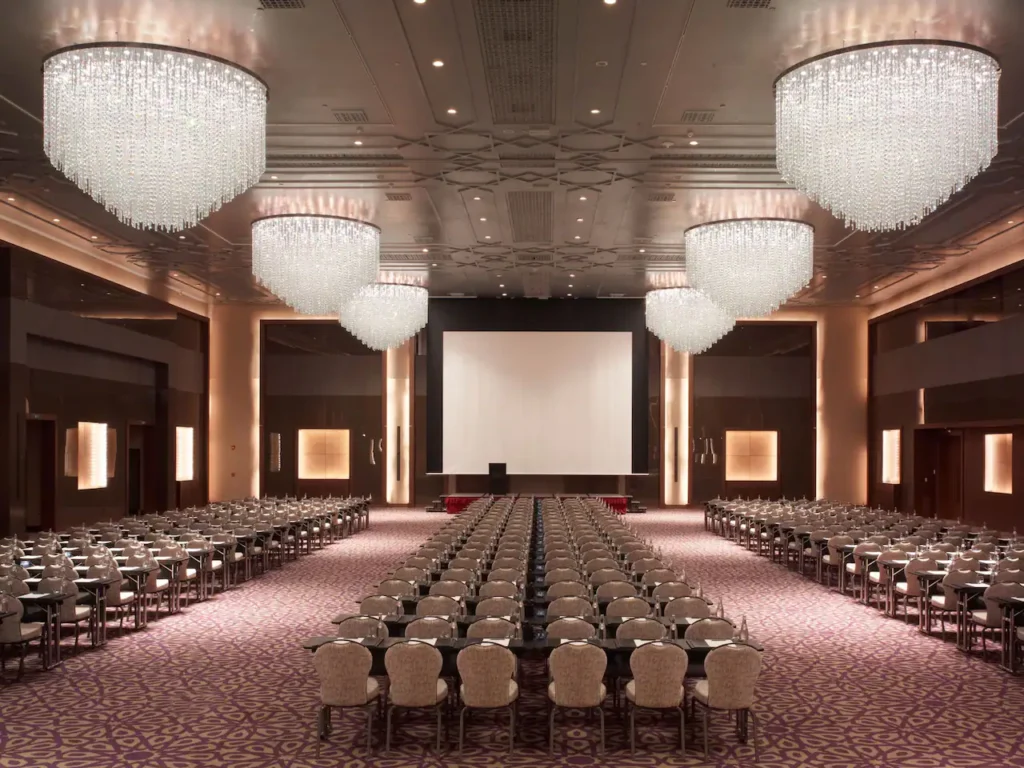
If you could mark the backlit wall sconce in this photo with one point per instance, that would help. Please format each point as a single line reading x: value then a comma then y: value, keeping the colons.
x: 891, y: 456
x: 999, y: 463
x: 752, y: 456
x: 275, y: 452
x: 184, y: 454
x: 92, y: 455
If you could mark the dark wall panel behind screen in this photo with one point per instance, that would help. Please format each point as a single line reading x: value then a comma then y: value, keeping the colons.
x: 535, y: 315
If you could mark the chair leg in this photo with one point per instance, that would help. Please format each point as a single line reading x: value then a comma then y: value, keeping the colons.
x: 320, y: 735
x: 438, y: 725
x: 511, y: 728
x: 369, y: 729
x: 682, y: 728
x: 753, y: 726
x: 387, y: 738
x: 551, y: 731
x: 632, y: 729
x: 600, y: 716
x: 707, y: 714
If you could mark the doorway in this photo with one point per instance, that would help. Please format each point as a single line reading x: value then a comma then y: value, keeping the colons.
x: 939, y: 473
x: 41, y: 473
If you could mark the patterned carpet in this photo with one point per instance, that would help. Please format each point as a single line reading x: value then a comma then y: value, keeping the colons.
x: 225, y: 683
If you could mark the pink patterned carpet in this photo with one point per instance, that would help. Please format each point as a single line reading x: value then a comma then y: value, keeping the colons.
x: 225, y: 682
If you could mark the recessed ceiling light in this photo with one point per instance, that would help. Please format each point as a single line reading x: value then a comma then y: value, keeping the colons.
x: 273, y: 177
x: 487, y: 237
x: 694, y: 142
x: 56, y: 221
x: 571, y: 275
x: 579, y: 220
x: 452, y: 111
x: 181, y: 237
x: 824, y: 276
x: 433, y: 265
x: 609, y: 2
x: 477, y: 198
x: 595, y: 111
x: 856, y: 296
x: 358, y: 143
x: 568, y: 294
x: 11, y: 200
x: 419, y: 2
x: 576, y: 238
x: 218, y: 293
x: 502, y: 285
x: 583, y: 199
x: 504, y: 294
x: 1009, y: 222
x: 94, y: 237
x: 437, y: 63
x: 483, y: 218
x: 600, y: 63
x: 426, y: 250
x: 643, y: 250
x: 570, y: 285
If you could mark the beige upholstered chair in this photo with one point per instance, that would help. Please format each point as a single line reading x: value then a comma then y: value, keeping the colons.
x: 429, y: 627
x: 568, y: 589
x: 732, y: 673
x: 459, y: 574
x: 658, y: 671
x: 561, y: 574
x: 357, y: 627
x: 557, y: 563
x: 669, y: 590
x: 454, y: 589
x: 413, y: 670
x: 14, y: 632
x: 498, y: 589
x: 498, y: 606
x: 603, y: 576
x: 633, y: 607
x: 1008, y: 576
x: 70, y: 611
x: 396, y: 588
x: 687, y: 608
x: 571, y: 606
x: 419, y: 563
x: 991, y: 618
x: 410, y: 573
x: 571, y: 628
x: 467, y: 563
x: 344, y: 671
x: 493, y: 628
x: 657, y: 576
x: 878, y: 579
x: 615, y: 589
x: 910, y: 586
x: 641, y: 629
x: 946, y: 602
x: 577, y: 674
x: 439, y: 605
x: 509, y: 562
x: 710, y: 629
x: 599, y: 563
x: 514, y: 575
x: 381, y: 605
x: 833, y: 560
x: 487, y: 673
x: 13, y: 586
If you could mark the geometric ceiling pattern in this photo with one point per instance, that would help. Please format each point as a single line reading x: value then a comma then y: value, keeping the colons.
x: 527, y: 147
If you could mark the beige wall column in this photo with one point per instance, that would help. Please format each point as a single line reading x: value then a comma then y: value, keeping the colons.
x: 675, y: 427
x: 399, y: 370
x: 234, y: 402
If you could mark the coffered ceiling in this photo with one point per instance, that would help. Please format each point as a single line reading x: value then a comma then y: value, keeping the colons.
x: 561, y: 143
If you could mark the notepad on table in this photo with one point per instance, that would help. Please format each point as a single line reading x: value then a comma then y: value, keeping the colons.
x: 496, y: 641
x: 641, y: 642
x: 716, y: 643
x: 427, y: 640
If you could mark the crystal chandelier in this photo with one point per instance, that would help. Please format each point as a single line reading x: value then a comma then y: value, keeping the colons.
x: 748, y: 267
x: 686, y: 319
x: 314, y: 263
x: 161, y: 137
x: 383, y: 315
x: 882, y: 134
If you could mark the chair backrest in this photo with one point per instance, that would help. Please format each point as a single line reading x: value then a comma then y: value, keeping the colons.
x: 14, y: 586
x: 1010, y: 564
x: 557, y: 563
x: 498, y: 606
x: 599, y: 563
x: 438, y: 605
x: 498, y: 589
x: 614, y: 589
x: 362, y: 626
x: 486, y: 671
x: 671, y: 589
x: 956, y: 576
x: 635, y: 607
x: 658, y: 576
x: 605, y: 575
x: 505, y: 574
x: 429, y: 626
x: 570, y: 606
x: 687, y: 607
x: 512, y: 563
x: 492, y: 628
x: 641, y: 629
x: 1008, y: 576
x: 410, y: 573
x: 450, y: 588
x: 834, y: 544
x: 710, y: 629
x: 467, y: 563
x: 418, y: 562
x: 10, y: 628
x: 343, y: 668
x: 396, y: 588
x: 571, y: 628
x: 458, y: 574
x: 647, y: 564
x: 561, y: 574
x: 577, y: 671
x: 568, y: 589
x: 413, y: 669
x: 381, y: 605
x: 658, y: 671
x: 732, y: 672
x: 1001, y: 590
x: 890, y: 555
x: 65, y: 587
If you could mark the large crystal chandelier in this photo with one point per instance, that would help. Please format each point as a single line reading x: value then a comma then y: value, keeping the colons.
x: 686, y: 319
x: 314, y: 263
x: 882, y: 134
x: 161, y: 137
x: 749, y: 267
x: 383, y: 315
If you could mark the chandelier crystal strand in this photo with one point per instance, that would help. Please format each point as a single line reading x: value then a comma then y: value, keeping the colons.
x: 882, y: 134
x: 686, y: 319
x: 749, y: 267
x: 159, y: 136
x: 314, y: 263
x: 383, y: 316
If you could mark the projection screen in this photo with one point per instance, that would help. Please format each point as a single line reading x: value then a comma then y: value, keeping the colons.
x: 542, y: 403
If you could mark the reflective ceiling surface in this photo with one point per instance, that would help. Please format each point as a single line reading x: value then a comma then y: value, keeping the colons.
x: 562, y: 143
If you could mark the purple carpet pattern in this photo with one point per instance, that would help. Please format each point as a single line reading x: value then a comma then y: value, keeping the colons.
x: 225, y: 683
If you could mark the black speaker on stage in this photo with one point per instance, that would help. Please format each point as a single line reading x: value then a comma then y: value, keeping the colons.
x: 497, y: 479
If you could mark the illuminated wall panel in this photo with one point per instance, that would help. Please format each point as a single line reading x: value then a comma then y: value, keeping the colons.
x: 999, y: 463
x: 184, y: 454
x: 751, y: 456
x: 323, y: 454
x: 398, y: 379
x: 891, y: 456
x: 675, y: 427
x: 111, y: 452
x: 275, y: 452
x: 92, y: 455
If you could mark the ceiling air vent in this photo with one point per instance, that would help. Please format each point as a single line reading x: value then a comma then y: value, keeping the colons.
x: 698, y: 116
x: 752, y: 4
x: 350, y: 116
x: 661, y: 197
x: 398, y: 197
x: 282, y: 5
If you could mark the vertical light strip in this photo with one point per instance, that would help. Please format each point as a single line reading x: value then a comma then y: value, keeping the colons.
x: 821, y: 439
x: 184, y: 454
x: 675, y: 427
x: 921, y: 336
x: 92, y: 455
x: 398, y: 372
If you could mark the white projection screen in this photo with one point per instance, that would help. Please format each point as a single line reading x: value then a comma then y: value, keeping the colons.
x: 543, y: 403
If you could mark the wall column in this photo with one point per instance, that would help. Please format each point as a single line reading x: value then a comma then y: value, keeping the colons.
x: 399, y: 373
x: 675, y: 427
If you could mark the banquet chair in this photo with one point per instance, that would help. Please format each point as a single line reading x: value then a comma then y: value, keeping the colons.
x: 381, y: 605
x: 494, y: 628
x: 464, y: 563
x: 571, y: 628
x: 732, y: 673
x: 911, y: 587
x: 599, y: 563
x: 658, y: 671
x: 13, y: 586
x: 514, y: 575
x: 414, y: 673
x: 556, y: 563
x: 615, y: 589
x: 669, y: 590
x: 571, y: 606
x: 577, y: 675
x: 710, y: 629
x: 991, y: 616
x: 568, y: 589
x: 439, y: 605
x: 513, y: 563
x: 1008, y: 576
x: 15, y: 632
x: 687, y: 608
x: 487, y: 672
x: 459, y: 574
x: 498, y: 606
x: 345, y: 683
x: 71, y: 613
x: 628, y: 607
x: 498, y: 589
x: 945, y: 603
x: 358, y: 627
x: 561, y: 574
x: 410, y: 573
x: 428, y: 627
x: 641, y: 629
x: 878, y: 579
x: 605, y: 575
x: 456, y: 589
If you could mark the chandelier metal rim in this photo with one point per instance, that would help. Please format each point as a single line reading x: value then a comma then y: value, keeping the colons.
x: 784, y: 219
x: 158, y: 47
x: 885, y: 44
x: 353, y: 219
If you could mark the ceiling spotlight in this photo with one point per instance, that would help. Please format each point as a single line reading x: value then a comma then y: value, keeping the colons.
x: 56, y: 221
x: 576, y: 238
x: 876, y: 287
x: 273, y: 177
x: 571, y: 275
x: 358, y: 142
x: 694, y: 142
x: 452, y: 111
x: 856, y: 296
x: 583, y: 199
x: 94, y: 237
x: 643, y: 250
x: 477, y: 198
x: 419, y: 2
x: 437, y: 63
x: 595, y: 111
x: 218, y: 293
x: 568, y: 294
x: 570, y: 285
x: 1009, y: 222
x: 579, y: 220
x: 426, y: 250
x: 181, y: 237
x: 487, y: 237
x: 433, y: 265
x: 504, y: 294
x: 483, y: 218
x: 502, y: 285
